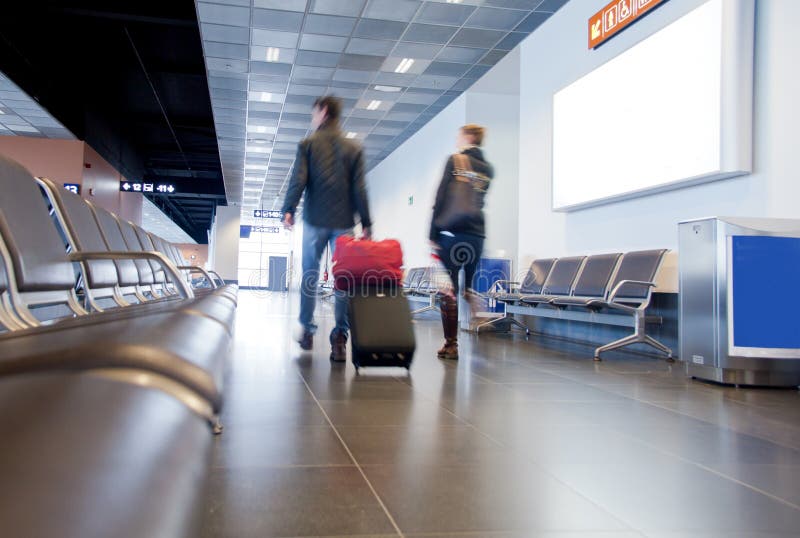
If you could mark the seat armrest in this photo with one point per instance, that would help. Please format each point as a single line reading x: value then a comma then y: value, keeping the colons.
x: 650, y: 285
x: 185, y: 290
x: 214, y: 273
x: 497, y: 286
x: 197, y: 269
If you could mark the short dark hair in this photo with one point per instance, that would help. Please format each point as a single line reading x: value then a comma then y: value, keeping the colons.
x: 332, y: 104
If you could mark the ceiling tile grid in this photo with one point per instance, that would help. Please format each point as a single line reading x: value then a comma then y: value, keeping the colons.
x: 394, y: 63
x: 20, y: 115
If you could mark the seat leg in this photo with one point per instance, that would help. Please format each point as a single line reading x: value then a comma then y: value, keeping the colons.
x: 616, y: 344
x: 659, y: 346
x: 505, y: 317
x: 425, y: 309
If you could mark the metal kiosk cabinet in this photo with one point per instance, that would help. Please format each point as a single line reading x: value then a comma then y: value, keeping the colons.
x: 739, y: 319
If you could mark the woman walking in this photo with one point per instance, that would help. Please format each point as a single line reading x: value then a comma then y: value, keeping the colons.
x: 458, y: 228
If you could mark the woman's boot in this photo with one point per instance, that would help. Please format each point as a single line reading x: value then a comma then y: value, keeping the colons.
x: 449, y: 307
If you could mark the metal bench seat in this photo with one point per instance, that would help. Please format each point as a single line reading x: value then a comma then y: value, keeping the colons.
x: 89, y: 457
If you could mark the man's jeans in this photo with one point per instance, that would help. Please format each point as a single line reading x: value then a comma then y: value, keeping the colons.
x: 314, y: 241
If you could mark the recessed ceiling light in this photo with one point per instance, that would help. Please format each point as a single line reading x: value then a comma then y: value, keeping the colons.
x: 405, y: 65
x: 351, y: 134
x: 255, y: 166
x: 1, y: 112
x: 273, y: 54
x: 373, y: 105
x: 265, y: 96
x: 454, y: 1
x: 259, y: 149
x: 261, y: 129
x: 387, y: 88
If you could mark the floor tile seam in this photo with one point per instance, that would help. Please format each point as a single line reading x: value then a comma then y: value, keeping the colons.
x: 543, y: 470
x: 287, y: 466
x: 368, y: 400
x: 689, y: 416
x: 355, y: 461
x: 340, y: 536
x: 726, y: 427
x: 710, y: 470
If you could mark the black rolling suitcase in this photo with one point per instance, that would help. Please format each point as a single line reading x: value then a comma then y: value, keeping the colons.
x: 380, y: 327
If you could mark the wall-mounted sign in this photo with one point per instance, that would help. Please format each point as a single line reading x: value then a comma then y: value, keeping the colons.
x: 74, y: 188
x: 615, y: 17
x: 267, y: 214
x: 139, y: 186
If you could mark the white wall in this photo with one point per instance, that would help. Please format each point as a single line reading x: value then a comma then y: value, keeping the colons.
x: 414, y: 169
x: 556, y: 54
x: 224, y: 246
x: 500, y: 115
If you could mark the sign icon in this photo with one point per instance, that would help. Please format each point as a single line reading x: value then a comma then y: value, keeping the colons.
x: 137, y: 187
x: 611, y: 19
x: 170, y: 189
x: 257, y: 214
x: 625, y: 10
x: 126, y: 186
x: 148, y: 187
x: 597, y: 28
x: 74, y: 188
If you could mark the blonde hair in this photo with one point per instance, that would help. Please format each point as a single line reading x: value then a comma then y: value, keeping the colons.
x: 475, y: 133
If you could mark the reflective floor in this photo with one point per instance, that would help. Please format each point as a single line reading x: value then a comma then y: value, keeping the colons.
x: 517, y: 439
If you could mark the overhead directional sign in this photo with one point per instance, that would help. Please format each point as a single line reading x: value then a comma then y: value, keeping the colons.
x: 74, y: 188
x: 178, y: 186
x: 615, y: 17
x: 267, y: 214
x: 140, y: 186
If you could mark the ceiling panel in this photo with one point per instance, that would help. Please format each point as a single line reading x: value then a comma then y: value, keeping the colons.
x: 395, y: 63
x: 328, y: 24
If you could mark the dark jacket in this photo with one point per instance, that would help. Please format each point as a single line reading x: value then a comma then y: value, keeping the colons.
x: 475, y: 224
x: 330, y: 169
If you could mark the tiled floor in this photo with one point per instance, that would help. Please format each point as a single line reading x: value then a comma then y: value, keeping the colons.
x: 517, y: 439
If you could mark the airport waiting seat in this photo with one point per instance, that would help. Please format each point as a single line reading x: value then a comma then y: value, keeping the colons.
x: 8, y: 318
x: 77, y: 220
x: 558, y: 283
x: 156, y: 342
x: 88, y: 457
x: 631, y: 292
x: 593, y: 281
x: 510, y: 292
x: 534, y: 282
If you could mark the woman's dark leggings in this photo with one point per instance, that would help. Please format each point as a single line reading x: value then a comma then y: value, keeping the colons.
x: 461, y: 250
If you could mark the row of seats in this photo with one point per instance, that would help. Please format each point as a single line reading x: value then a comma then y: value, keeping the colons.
x: 616, y: 283
x: 422, y: 284
x: 112, y: 368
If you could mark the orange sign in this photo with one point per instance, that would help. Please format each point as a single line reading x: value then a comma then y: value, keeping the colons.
x: 615, y: 17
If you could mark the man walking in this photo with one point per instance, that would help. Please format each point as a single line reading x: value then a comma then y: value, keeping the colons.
x: 330, y: 170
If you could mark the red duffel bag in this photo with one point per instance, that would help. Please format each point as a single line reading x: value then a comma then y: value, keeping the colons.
x: 358, y: 262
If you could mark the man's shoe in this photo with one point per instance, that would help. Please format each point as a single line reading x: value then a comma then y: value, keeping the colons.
x: 339, y: 347
x: 306, y: 341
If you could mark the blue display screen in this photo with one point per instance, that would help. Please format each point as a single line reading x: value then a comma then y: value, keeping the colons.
x: 766, y: 292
